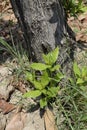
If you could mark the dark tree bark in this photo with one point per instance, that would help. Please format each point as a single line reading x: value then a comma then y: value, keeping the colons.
x: 45, y: 27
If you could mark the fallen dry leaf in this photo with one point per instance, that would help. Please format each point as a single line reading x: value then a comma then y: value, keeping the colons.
x: 49, y: 120
x: 19, y: 84
x: 21, y: 87
x: 79, y: 26
x: 17, y: 122
x: 6, y: 107
x: 82, y: 37
x: 82, y: 16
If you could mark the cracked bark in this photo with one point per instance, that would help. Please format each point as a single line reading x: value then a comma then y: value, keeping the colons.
x: 45, y: 26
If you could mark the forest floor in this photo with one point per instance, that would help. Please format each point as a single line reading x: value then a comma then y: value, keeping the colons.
x: 13, y: 115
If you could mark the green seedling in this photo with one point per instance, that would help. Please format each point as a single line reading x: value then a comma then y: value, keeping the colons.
x: 74, y: 7
x: 72, y: 103
x: 45, y: 78
x: 18, y: 54
x: 81, y: 76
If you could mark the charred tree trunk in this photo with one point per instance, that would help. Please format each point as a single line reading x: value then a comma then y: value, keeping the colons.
x: 44, y: 25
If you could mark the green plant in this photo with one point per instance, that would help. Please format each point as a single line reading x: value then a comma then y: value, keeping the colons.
x: 73, y: 7
x: 80, y: 76
x: 70, y: 100
x: 78, y: 89
x: 18, y: 54
x: 72, y: 103
x: 45, y: 78
x: 15, y: 51
x: 5, y: 46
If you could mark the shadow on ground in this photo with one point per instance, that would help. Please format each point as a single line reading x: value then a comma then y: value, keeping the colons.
x: 12, y: 34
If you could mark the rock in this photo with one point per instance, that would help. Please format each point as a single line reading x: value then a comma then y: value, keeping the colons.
x: 26, y: 121
x: 20, y: 120
x: 6, y: 88
x: 34, y: 121
x: 5, y: 79
x: 4, y: 71
x: 17, y: 122
x: 2, y: 122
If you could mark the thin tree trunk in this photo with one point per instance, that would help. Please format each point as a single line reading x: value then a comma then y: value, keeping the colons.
x: 44, y: 25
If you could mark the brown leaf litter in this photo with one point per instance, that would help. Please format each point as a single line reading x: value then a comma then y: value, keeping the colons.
x: 6, y: 107
x: 79, y: 26
x: 49, y: 120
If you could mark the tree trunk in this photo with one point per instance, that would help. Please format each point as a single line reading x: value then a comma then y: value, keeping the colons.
x: 44, y: 25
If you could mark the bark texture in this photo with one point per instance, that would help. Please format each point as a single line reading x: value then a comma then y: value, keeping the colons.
x: 44, y: 25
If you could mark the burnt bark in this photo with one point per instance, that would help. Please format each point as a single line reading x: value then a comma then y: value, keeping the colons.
x: 45, y: 26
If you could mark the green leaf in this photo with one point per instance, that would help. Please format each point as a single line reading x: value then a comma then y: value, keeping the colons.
x: 59, y: 76
x: 80, y: 81
x: 44, y: 91
x: 32, y: 94
x: 84, y: 118
x: 83, y: 88
x: 53, y: 91
x: 51, y: 57
x: 9, y: 48
x: 71, y: 80
x: 37, y: 85
x: 45, y: 79
x: 76, y: 69
x: 43, y: 102
x: 84, y: 9
x: 46, y: 59
x: 84, y: 72
x: 39, y: 66
x: 56, y: 67
x: 28, y: 76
